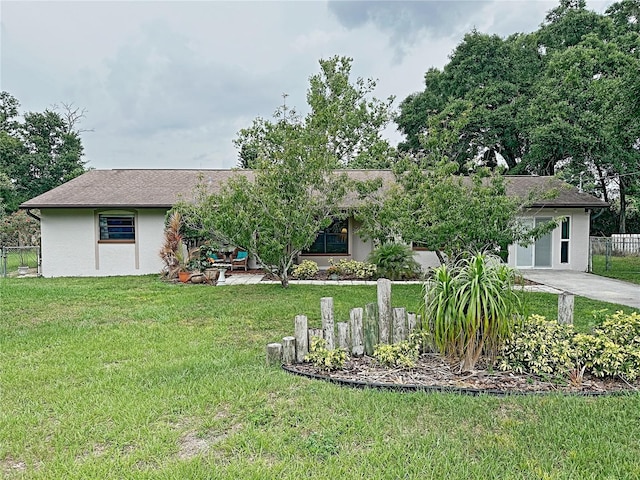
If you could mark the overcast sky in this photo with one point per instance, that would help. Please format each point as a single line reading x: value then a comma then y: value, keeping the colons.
x: 169, y: 84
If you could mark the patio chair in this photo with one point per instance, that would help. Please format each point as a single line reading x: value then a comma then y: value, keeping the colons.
x: 239, y: 259
x: 215, y: 258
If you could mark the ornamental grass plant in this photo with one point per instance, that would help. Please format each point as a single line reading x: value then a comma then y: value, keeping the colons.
x: 472, y: 307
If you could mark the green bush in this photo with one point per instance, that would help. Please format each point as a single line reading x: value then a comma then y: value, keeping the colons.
x: 323, y: 358
x: 305, y: 270
x: 613, y: 349
x: 353, y: 269
x: 395, y: 262
x: 402, y: 354
x: 539, y: 346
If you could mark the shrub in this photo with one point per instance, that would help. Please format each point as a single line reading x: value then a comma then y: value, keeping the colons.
x: 323, y: 358
x: 402, y: 354
x: 353, y: 268
x: 539, y: 346
x: 613, y: 349
x: 305, y: 270
x: 395, y: 262
x: 472, y: 307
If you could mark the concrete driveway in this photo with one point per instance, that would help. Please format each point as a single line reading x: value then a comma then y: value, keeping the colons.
x: 588, y: 285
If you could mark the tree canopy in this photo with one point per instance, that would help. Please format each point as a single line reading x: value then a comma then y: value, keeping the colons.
x: 447, y: 213
x: 343, y: 115
x: 276, y: 211
x: 38, y: 152
x: 561, y: 100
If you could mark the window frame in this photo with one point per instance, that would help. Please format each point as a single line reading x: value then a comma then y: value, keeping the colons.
x: 109, y: 214
x: 339, y: 225
x: 565, y: 240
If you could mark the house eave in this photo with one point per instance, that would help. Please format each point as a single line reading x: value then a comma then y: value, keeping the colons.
x: 128, y: 206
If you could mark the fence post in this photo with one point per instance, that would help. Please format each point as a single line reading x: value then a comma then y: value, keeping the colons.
x: 357, y: 333
x: 384, y: 310
x: 370, y: 328
x: 326, y: 312
x: 302, y: 337
x: 565, y: 308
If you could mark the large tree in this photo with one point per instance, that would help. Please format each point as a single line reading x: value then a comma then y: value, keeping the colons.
x: 448, y: 213
x: 38, y: 152
x: 293, y: 191
x: 560, y: 100
x: 343, y: 112
x: 483, y: 89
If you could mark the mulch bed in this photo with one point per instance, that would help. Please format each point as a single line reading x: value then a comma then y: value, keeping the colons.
x: 434, y: 372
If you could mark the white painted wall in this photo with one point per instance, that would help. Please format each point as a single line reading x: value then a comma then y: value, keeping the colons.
x: 579, y: 238
x: 70, y: 245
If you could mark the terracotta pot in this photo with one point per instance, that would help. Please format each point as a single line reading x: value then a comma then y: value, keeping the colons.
x: 184, y: 276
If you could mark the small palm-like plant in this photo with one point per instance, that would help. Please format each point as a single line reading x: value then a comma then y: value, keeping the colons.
x: 395, y: 261
x: 472, y: 307
x: 172, y: 250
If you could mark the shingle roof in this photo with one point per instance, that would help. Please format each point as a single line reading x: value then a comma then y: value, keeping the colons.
x: 162, y: 188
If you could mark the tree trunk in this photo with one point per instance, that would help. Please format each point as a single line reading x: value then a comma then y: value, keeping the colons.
x: 623, y: 205
x: 440, y: 257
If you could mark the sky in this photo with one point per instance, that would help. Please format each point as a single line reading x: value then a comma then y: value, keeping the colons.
x: 168, y: 84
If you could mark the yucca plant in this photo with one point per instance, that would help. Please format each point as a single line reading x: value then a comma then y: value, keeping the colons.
x: 471, y: 307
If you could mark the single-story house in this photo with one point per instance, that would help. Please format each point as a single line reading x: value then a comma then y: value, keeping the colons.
x: 111, y: 222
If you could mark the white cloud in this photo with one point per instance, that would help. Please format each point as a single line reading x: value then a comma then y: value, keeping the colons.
x: 168, y: 84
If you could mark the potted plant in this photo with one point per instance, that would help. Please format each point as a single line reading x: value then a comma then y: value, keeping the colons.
x: 174, y: 253
x: 333, y: 272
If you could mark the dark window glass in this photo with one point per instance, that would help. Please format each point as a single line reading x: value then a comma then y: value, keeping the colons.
x: 334, y: 239
x: 565, y: 228
x: 564, y: 252
x: 117, y: 227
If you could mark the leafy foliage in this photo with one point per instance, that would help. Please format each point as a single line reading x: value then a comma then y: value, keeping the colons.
x: 540, y: 346
x: 323, y: 358
x: 352, y: 268
x: 560, y: 100
x: 275, y: 211
x: 402, y: 354
x: 348, y: 121
x: 447, y: 213
x: 613, y: 348
x: 19, y: 229
x: 38, y: 153
x: 305, y: 270
x: 472, y: 307
x: 395, y: 261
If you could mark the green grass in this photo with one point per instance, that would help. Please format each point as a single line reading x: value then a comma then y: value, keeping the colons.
x: 623, y: 268
x: 133, y: 378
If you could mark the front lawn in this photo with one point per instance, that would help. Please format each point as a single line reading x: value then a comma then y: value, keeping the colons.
x: 134, y: 378
x: 623, y: 268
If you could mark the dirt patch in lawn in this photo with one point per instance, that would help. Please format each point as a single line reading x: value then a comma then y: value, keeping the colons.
x: 434, y: 372
x: 192, y: 444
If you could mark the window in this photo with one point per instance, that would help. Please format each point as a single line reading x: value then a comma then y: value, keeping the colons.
x: 117, y: 227
x: 333, y: 239
x: 564, y: 240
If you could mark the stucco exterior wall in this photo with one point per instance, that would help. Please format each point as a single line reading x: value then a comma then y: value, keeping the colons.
x: 71, y: 247
x: 579, y: 223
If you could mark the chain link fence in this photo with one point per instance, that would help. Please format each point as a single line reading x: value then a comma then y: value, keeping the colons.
x: 19, y: 261
x: 616, y: 256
